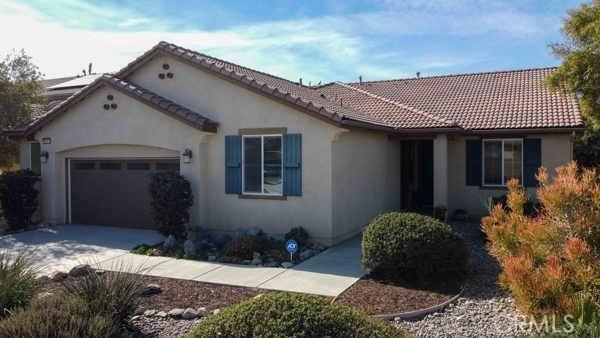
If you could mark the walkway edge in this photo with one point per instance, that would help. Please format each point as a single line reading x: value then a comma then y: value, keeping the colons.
x: 421, y: 312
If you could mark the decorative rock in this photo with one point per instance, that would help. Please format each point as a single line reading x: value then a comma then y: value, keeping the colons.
x: 212, y: 258
x: 150, y: 289
x: 161, y: 314
x: 256, y: 260
x: 287, y: 265
x: 202, y: 311
x: 271, y: 264
x: 170, y: 243
x: 258, y: 296
x: 80, y: 270
x: 216, y: 311
x: 189, y: 248
x: 149, y: 313
x: 176, y: 313
x: 99, y: 272
x: 189, y: 313
x: 246, y: 262
x: 255, y: 255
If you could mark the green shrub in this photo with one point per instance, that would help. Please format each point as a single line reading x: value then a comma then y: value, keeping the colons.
x: 142, y: 249
x: 18, y: 283
x: 243, y: 247
x: 59, y: 316
x: 299, y: 235
x: 112, y: 295
x: 171, y: 200
x: 18, y: 197
x: 292, y: 315
x: 413, y: 246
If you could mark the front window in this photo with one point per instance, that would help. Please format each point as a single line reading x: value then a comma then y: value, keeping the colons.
x: 262, y: 171
x: 502, y: 160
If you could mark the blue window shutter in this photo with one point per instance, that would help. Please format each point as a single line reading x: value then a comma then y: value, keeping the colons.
x: 474, y: 162
x: 532, y: 160
x: 292, y: 165
x: 233, y: 164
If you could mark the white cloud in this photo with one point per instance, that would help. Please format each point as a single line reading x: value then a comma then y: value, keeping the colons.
x: 324, y: 48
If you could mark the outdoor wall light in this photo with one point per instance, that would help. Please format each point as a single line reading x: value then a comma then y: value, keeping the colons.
x: 187, y: 155
x: 44, y: 156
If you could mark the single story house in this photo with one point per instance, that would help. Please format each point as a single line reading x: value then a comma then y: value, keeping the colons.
x: 262, y: 151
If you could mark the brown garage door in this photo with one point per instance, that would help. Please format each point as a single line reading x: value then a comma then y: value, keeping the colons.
x: 114, y: 192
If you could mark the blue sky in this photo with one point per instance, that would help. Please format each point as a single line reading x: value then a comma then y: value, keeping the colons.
x: 317, y: 40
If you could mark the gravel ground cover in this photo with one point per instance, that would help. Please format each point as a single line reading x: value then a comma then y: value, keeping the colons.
x: 484, y: 309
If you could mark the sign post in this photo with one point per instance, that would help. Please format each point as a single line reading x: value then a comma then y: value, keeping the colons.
x: 292, y: 247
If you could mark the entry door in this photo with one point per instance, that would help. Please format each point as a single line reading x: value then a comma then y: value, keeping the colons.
x: 114, y: 192
x: 417, y: 175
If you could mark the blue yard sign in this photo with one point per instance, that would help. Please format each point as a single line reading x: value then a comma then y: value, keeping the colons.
x: 292, y: 247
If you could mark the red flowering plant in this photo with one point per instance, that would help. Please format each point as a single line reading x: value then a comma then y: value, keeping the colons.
x: 550, y: 262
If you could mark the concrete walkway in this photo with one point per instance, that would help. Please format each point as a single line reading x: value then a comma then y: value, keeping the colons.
x: 59, y: 248
x: 329, y: 273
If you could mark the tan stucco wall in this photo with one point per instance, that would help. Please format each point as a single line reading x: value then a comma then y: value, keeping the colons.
x: 557, y: 149
x: 132, y: 130
x: 236, y: 108
x: 366, y: 180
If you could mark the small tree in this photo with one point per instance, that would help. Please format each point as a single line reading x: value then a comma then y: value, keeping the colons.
x: 171, y: 200
x: 19, y: 94
x: 19, y: 197
x: 550, y: 262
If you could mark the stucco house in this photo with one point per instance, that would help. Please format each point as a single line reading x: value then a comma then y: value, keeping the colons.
x: 263, y: 151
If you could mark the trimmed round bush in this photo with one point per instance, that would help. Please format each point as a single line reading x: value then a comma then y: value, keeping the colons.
x: 293, y: 315
x: 415, y: 246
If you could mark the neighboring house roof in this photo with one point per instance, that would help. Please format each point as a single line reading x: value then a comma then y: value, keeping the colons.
x: 76, y: 82
x: 494, y: 101
x: 514, y: 99
x: 143, y: 95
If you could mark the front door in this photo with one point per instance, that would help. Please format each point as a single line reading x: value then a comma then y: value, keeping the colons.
x: 417, y: 176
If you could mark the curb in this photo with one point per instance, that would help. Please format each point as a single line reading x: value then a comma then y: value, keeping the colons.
x: 421, y: 312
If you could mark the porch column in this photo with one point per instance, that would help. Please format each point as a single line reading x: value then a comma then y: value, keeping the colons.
x: 440, y: 171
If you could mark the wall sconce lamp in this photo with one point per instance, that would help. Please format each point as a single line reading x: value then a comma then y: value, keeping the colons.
x: 44, y: 156
x: 187, y: 155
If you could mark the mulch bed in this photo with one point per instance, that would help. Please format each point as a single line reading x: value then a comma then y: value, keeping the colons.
x: 376, y: 296
x: 178, y: 293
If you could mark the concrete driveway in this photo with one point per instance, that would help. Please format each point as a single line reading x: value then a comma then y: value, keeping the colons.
x: 59, y: 248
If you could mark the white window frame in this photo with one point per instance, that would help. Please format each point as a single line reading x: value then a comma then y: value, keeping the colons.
x: 502, y: 140
x: 262, y: 165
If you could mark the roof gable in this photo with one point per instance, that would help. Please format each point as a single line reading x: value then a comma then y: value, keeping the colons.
x: 145, y: 96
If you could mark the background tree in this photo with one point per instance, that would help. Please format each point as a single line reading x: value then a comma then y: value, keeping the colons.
x: 19, y: 95
x: 580, y: 73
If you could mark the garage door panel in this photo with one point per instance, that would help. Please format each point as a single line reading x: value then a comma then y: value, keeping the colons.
x: 114, y: 193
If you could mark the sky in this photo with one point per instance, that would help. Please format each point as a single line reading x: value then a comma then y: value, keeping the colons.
x: 318, y: 41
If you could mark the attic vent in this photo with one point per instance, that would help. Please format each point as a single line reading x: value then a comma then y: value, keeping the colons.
x: 165, y: 66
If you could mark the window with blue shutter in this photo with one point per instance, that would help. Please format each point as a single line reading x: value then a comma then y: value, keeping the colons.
x: 233, y: 164
x: 474, y: 163
x: 292, y: 163
x: 532, y: 160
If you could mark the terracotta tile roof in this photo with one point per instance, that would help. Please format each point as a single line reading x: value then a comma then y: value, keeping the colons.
x: 394, y: 114
x: 505, y: 100
x: 494, y: 100
x: 156, y: 101
x: 302, y: 96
